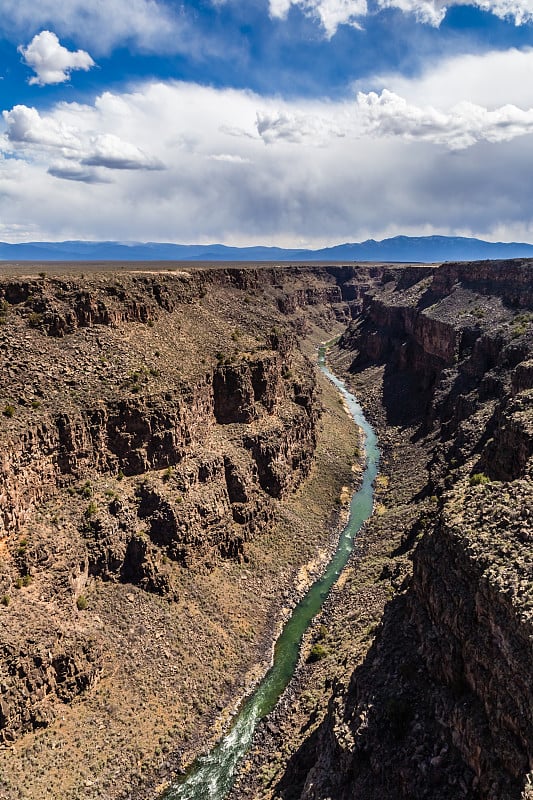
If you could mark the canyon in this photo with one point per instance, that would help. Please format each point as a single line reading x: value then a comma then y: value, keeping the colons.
x: 174, y: 474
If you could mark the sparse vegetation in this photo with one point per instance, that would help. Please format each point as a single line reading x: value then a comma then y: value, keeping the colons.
x: 317, y: 653
x: 479, y: 479
x: 35, y: 319
x: 91, y: 509
x: 4, y: 310
x: 167, y: 474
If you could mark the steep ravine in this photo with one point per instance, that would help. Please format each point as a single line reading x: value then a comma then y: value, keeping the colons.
x: 436, y: 702
x: 172, y: 478
x: 160, y: 511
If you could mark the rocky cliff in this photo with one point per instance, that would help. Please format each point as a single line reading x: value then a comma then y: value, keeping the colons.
x: 158, y: 435
x: 137, y: 468
x: 441, y: 706
x: 158, y: 494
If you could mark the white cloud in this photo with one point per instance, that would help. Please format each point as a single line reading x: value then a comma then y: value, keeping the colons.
x: 100, y: 24
x: 280, y: 8
x: 38, y: 137
x: 229, y: 158
x: 491, y: 79
x: 300, y: 128
x: 108, y: 150
x: 51, y: 62
x: 432, y: 12
x: 398, y: 168
x: 26, y: 127
x: 330, y: 13
x: 464, y: 125
x: 66, y: 170
x: 333, y: 13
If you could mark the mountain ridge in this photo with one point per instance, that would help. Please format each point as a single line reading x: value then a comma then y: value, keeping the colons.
x: 398, y: 248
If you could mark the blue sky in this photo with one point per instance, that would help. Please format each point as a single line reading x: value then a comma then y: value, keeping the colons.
x: 293, y: 122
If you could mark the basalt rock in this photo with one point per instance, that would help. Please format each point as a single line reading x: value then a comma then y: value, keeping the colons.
x: 442, y: 706
x: 34, y: 678
x: 125, y: 459
x: 154, y: 424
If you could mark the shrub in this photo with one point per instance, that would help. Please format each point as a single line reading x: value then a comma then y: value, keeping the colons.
x: 35, y: 319
x: 479, y: 479
x: 318, y: 652
x: 91, y: 509
x: 322, y: 632
x: 5, y: 600
x: 167, y: 474
x: 9, y: 410
x: 4, y: 308
x: 81, y: 602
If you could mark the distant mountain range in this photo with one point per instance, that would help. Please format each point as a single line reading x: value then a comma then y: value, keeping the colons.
x: 398, y: 248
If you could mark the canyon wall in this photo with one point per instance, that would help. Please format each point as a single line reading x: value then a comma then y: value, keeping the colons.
x: 156, y: 426
x: 441, y: 707
x: 140, y: 433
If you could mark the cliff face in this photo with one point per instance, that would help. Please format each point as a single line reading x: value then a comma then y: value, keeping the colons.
x: 154, y: 429
x: 442, y: 705
x: 141, y: 436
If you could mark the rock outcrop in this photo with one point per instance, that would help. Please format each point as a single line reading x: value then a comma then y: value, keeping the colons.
x: 131, y: 449
x: 442, y: 706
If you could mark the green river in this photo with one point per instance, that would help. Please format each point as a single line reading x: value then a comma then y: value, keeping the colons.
x: 212, y: 775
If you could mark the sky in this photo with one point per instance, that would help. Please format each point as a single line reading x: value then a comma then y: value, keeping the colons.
x: 298, y: 123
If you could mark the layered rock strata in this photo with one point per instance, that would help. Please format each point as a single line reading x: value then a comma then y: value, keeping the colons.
x: 441, y: 705
x: 116, y: 473
x: 156, y: 426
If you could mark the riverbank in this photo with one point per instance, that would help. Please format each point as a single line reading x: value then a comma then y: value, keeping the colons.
x: 213, y: 774
x: 282, y: 565
x: 283, y: 749
x: 175, y: 656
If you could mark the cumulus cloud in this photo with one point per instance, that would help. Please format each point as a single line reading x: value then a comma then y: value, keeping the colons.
x: 72, y: 172
x: 25, y: 126
x: 102, y: 24
x: 387, y: 114
x: 108, y: 150
x: 464, y: 125
x: 404, y: 164
x: 27, y: 131
x: 51, y: 62
x: 333, y: 13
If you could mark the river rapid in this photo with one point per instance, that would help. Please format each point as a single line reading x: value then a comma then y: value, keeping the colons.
x: 211, y: 776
